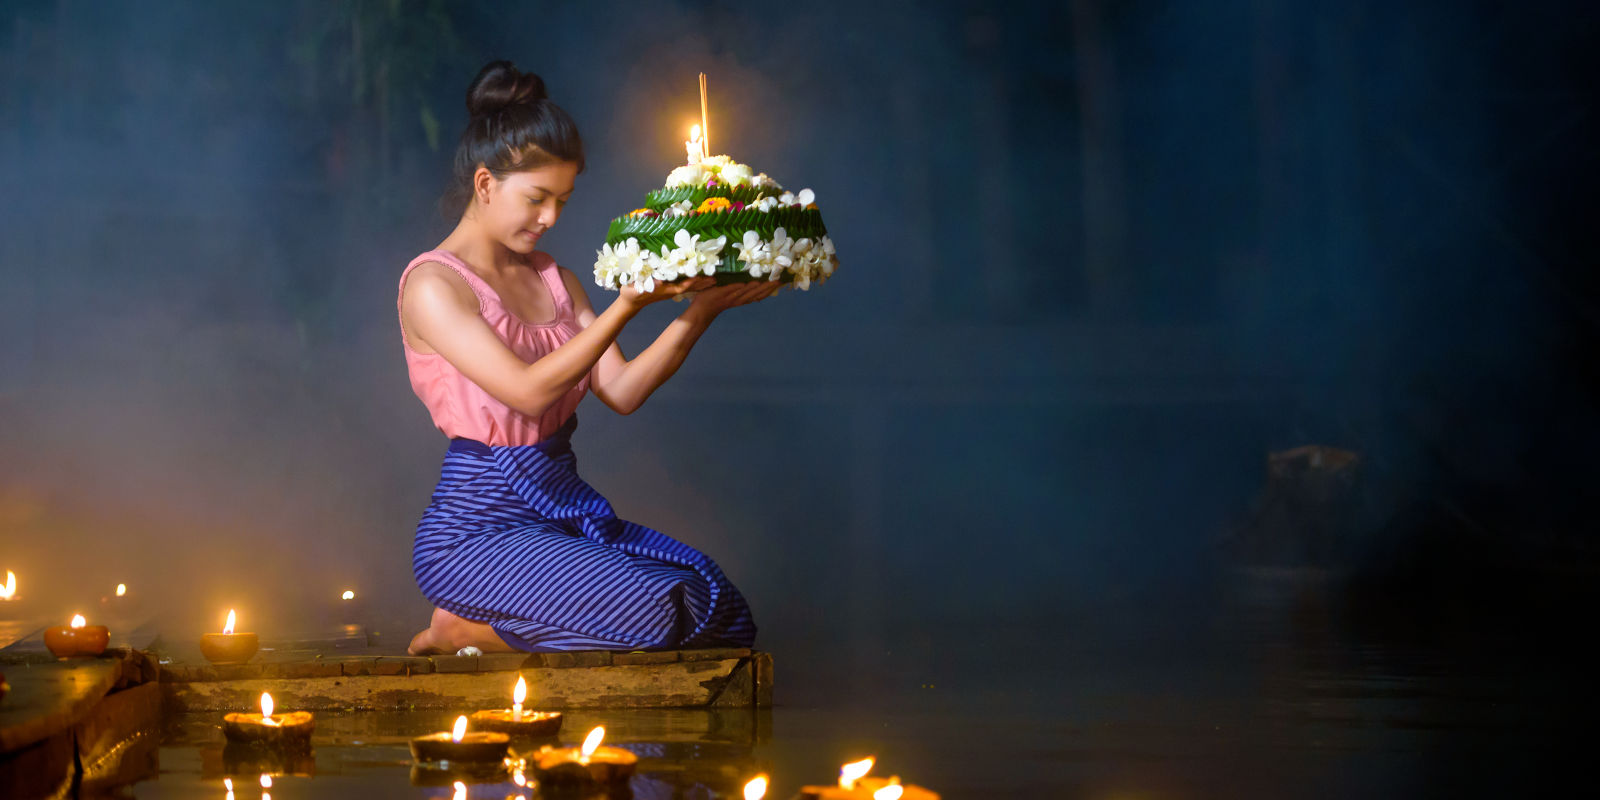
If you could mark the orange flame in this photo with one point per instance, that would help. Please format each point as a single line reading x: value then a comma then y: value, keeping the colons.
x: 592, y: 741
x: 459, y: 730
x: 890, y: 792
x: 78, y: 621
x: 520, y: 693
x: 756, y: 788
x: 853, y: 771
x: 266, y: 708
x: 228, y: 628
x: 9, y: 590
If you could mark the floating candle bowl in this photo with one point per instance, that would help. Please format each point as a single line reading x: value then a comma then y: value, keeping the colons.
x: 588, y: 765
x: 460, y: 745
x: 287, y: 731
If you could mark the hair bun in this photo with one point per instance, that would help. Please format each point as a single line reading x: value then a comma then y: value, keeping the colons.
x: 499, y: 85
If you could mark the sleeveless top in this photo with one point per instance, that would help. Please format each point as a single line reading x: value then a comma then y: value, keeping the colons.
x: 463, y: 410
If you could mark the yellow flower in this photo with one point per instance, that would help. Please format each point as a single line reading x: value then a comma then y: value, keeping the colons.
x: 641, y: 212
x: 714, y: 204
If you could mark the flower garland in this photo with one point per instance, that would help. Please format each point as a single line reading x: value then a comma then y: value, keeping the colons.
x: 626, y: 264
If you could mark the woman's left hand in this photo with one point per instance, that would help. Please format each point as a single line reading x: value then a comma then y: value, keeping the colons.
x: 716, y: 300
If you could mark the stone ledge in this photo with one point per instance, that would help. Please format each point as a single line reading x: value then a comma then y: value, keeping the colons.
x: 721, y: 678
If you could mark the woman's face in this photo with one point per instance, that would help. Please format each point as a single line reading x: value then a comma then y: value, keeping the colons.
x: 519, y: 209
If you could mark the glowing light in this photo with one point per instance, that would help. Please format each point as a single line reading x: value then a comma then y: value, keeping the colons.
x: 266, y: 781
x: 890, y: 792
x: 227, y: 783
x: 518, y: 778
x: 756, y: 788
x: 520, y: 693
x: 592, y: 742
x: 266, y: 709
x: 78, y: 621
x: 122, y: 589
x: 228, y: 628
x: 9, y: 590
x: 459, y: 730
x: 348, y: 595
x: 853, y: 771
x: 461, y: 791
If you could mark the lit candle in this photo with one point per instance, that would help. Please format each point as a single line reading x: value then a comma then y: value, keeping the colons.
x: 229, y: 647
x: 586, y: 765
x: 288, y: 731
x: 266, y: 783
x: 693, y: 147
x: 756, y: 788
x: 459, y: 745
x: 77, y: 639
x: 514, y: 720
x: 227, y: 783
x: 855, y: 785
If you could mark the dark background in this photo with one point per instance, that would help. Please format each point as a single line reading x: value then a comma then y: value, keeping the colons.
x: 1098, y: 259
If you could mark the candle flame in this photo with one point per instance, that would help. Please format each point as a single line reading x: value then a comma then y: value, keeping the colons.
x: 518, y: 778
x: 694, y: 134
x: 122, y: 589
x: 9, y: 590
x: 459, y: 730
x: 592, y: 741
x: 853, y: 771
x: 520, y: 693
x: 78, y: 621
x: 227, y: 783
x: 228, y: 628
x: 890, y: 792
x: 266, y: 781
x: 266, y: 707
x: 348, y: 595
x: 461, y: 791
x: 756, y: 788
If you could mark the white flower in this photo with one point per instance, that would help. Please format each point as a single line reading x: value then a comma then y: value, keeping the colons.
x: 688, y: 175
x: 782, y: 248
x: 765, y: 204
x: 735, y: 175
x: 753, y: 251
x: 765, y: 182
x: 806, y: 197
x: 716, y: 161
x: 827, y: 261
x: 617, y: 265
x: 786, y: 199
x: 693, y: 256
x: 678, y: 209
x: 605, y: 267
x: 652, y: 268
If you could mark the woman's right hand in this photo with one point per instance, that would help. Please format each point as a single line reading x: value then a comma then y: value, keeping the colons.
x: 665, y: 291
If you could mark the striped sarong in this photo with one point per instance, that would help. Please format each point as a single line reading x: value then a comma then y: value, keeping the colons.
x: 513, y: 537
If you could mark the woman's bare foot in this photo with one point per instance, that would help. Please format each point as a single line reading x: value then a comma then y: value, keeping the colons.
x: 447, y: 633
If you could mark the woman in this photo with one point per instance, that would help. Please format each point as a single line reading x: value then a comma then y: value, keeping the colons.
x: 515, y: 551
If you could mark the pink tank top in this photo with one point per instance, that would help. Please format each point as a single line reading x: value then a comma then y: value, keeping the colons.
x: 462, y: 409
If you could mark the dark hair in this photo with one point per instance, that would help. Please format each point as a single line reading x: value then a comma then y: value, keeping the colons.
x: 512, y: 126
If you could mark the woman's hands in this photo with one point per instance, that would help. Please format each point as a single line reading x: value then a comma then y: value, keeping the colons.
x: 712, y: 302
x: 664, y: 291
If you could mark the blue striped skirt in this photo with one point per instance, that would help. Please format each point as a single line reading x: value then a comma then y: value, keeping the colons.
x: 513, y: 537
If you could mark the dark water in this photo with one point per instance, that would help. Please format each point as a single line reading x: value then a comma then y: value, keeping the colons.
x: 1277, y: 684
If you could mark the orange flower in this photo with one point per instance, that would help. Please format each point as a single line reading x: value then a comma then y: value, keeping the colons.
x: 714, y: 204
x: 641, y: 212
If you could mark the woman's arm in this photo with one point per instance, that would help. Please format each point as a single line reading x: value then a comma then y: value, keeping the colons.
x: 625, y: 384
x: 441, y: 310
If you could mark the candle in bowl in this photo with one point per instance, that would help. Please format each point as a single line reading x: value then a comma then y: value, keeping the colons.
x: 228, y: 647
x: 586, y: 765
x: 461, y: 746
x: 77, y: 639
x: 285, y: 731
x: 516, y: 721
x: 855, y: 785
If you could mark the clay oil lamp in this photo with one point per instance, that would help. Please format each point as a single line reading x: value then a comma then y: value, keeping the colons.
x: 855, y: 785
x: 514, y: 720
x: 589, y: 765
x: 77, y: 639
x: 228, y: 647
x: 459, y: 746
x: 291, y: 731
